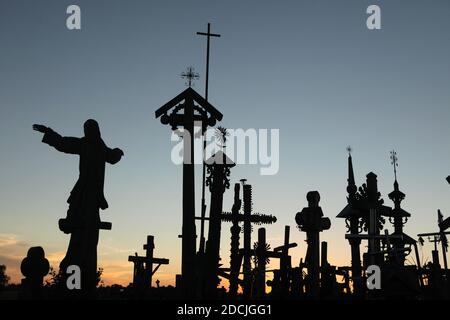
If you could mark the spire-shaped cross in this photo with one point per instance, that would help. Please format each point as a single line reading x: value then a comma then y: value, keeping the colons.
x: 190, y: 75
x: 394, y: 162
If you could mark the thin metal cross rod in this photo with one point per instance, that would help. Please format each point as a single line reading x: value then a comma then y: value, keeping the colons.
x: 208, y: 35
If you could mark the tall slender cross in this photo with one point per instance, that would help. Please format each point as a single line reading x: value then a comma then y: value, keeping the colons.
x: 184, y: 111
x: 208, y: 35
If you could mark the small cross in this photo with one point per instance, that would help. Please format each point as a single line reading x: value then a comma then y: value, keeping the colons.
x: 394, y: 162
x: 190, y: 75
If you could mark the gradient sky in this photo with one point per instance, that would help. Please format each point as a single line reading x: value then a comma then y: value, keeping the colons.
x: 309, y: 68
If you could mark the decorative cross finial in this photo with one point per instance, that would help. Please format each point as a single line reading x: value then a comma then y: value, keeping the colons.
x: 190, y: 75
x: 394, y: 162
x: 349, y: 150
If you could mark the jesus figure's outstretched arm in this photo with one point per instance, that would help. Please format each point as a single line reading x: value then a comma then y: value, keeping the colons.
x: 63, y: 144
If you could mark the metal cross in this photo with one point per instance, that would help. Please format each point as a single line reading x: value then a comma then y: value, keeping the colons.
x: 208, y: 35
x: 190, y: 75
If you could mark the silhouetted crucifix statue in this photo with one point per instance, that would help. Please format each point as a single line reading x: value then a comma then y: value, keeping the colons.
x: 87, y: 197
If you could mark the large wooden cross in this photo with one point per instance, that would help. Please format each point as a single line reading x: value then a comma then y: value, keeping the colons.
x: 148, y: 261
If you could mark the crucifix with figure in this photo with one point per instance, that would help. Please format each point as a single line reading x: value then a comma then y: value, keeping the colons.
x: 440, y: 236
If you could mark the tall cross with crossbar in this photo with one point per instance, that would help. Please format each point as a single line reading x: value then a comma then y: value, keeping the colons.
x: 190, y: 75
x: 208, y: 35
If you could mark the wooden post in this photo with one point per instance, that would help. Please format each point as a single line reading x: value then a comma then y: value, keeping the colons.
x: 260, y: 281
